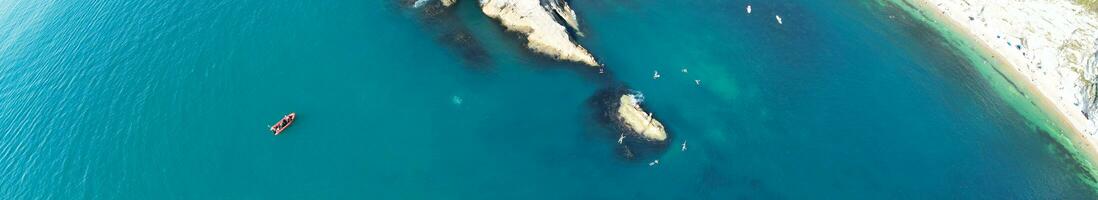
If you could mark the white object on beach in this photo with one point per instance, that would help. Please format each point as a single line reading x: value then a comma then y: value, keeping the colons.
x: 779, y: 18
x: 656, y: 75
x: 748, y: 8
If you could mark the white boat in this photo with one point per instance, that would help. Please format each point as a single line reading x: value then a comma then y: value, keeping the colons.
x: 748, y: 9
x: 656, y: 75
x: 779, y: 18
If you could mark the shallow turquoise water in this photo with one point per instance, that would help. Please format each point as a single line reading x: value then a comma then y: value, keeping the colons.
x: 170, y: 99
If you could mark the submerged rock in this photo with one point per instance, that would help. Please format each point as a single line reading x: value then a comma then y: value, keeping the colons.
x: 450, y: 30
x: 421, y: 3
x: 467, y: 46
x: 543, y: 33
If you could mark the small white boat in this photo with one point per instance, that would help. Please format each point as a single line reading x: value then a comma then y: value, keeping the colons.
x: 683, y: 146
x: 697, y: 82
x: 779, y: 18
x: 748, y: 9
x: 621, y: 139
x: 654, y: 162
x: 656, y: 75
x: 685, y: 71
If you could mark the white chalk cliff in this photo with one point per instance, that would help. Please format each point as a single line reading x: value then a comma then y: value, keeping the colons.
x: 543, y: 33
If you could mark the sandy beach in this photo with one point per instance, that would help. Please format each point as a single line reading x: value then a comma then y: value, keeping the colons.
x: 1047, y: 47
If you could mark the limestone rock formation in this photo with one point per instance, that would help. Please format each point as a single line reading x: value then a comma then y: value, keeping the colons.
x: 565, y: 12
x: 639, y: 121
x: 635, y: 133
x: 1088, y: 97
x: 448, y: 3
x: 543, y: 33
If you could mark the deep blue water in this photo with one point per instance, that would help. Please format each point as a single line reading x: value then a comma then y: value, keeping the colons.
x: 165, y: 99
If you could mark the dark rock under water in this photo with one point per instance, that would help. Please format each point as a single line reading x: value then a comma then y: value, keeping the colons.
x: 451, y: 31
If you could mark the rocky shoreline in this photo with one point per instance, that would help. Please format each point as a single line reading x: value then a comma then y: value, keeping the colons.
x: 637, y: 132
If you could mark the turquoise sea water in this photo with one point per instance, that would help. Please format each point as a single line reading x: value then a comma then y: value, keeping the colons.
x: 170, y: 99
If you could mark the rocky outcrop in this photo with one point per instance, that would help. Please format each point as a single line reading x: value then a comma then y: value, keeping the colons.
x: 639, y: 121
x: 636, y: 133
x: 565, y: 12
x: 448, y: 3
x: 421, y: 3
x: 1088, y: 97
x: 543, y: 33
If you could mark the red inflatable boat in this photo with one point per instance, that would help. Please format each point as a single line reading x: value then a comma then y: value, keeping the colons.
x: 282, y: 124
